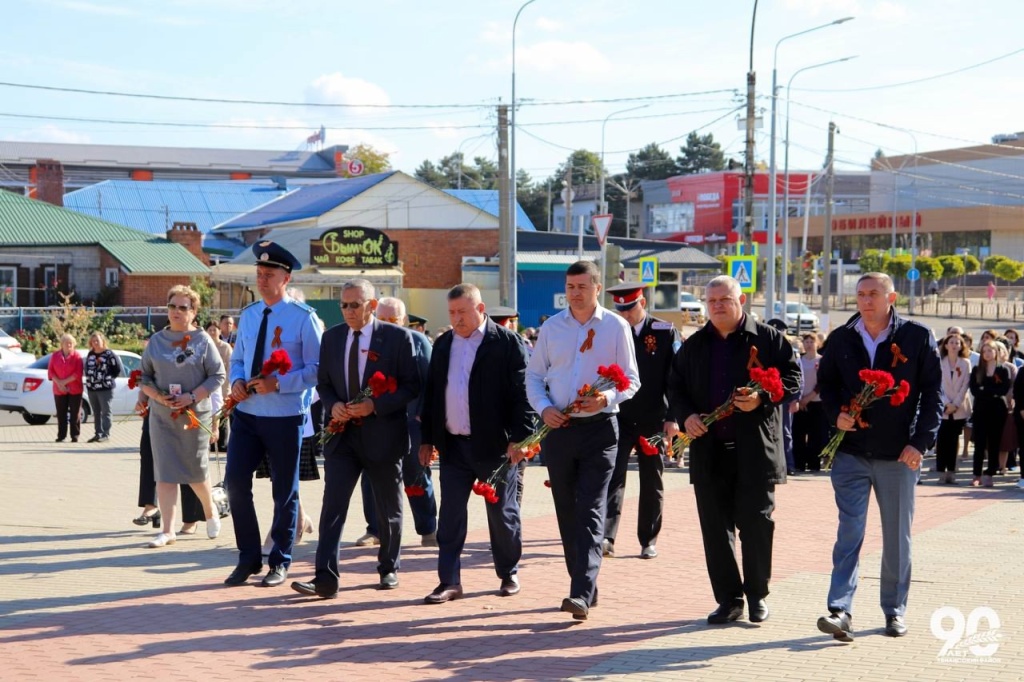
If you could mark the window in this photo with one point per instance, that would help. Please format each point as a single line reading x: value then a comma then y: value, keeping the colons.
x: 669, y: 218
x: 8, y: 287
x: 110, y: 277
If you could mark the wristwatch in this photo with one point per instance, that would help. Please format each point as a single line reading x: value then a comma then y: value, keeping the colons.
x: 193, y: 396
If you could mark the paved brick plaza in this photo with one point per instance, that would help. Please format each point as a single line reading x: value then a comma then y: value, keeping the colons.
x: 81, y: 598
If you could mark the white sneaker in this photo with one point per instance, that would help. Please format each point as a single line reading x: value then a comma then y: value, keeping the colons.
x: 163, y: 539
x: 368, y: 541
x: 1020, y: 483
x: 213, y: 526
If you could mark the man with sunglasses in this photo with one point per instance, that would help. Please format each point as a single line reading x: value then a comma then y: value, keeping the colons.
x: 270, y: 412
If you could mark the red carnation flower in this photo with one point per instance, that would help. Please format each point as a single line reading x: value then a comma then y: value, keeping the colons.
x: 901, y: 393
x: 415, y: 491
x: 133, y: 379
x: 279, y: 362
x: 646, y: 447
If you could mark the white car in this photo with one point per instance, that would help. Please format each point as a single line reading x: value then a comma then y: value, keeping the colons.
x: 799, y: 318
x: 9, y: 342
x: 28, y: 390
x: 9, y: 359
x: 688, y: 303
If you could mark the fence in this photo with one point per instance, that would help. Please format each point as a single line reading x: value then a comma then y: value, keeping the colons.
x: 960, y: 309
x: 30, y: 319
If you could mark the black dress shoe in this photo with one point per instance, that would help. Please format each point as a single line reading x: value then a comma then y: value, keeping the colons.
x: 576, y: 606
x: 443, y: 593
x: 839, y: 624
x: 241, y: 574
x: 275, y: 576
x: 758, y: 610
x: 894, y: 626
x: 509, y: 586
x: 388, y: 581
x: 59, y: 440
x: 312, y: 589
x: 94, y: 439
x: 726, y: 613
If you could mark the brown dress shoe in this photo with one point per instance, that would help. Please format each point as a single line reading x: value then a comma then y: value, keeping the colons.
x: 509, y: 586
x: 443, y: 593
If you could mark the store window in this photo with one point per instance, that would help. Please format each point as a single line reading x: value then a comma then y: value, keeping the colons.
x: 670, y: 218
x: 666, y: 292
x: 8, y: 286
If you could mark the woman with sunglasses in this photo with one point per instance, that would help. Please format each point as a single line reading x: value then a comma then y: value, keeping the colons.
x: 181, y: 367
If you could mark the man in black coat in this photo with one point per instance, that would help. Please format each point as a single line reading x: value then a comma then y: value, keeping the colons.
x: 735, y: 462
x: 474, y: 411
x: 645, y: 414
x: 375, y: 437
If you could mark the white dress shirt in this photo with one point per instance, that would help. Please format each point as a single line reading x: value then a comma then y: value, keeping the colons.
x: 456, y: 392
x: 364, y: 349
x: 558, y: 368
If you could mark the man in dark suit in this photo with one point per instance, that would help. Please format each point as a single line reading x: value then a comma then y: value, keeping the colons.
x: 474, y: 411
x: 375, y: 437
x: 735, y: 462
x: 645, y: 414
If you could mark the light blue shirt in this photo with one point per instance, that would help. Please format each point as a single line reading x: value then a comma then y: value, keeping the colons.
x: 300, y: 337
x: 456, y: 391
x: 558, y: 368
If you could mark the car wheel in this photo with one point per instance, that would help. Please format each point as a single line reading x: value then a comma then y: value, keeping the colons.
x: 85, y: 412
x: 35, y: 419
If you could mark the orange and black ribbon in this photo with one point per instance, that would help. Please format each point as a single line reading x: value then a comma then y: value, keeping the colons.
x: 897, y: 355
x: 589, y: 343
x: 183, y: 344
x: 752, y: 361
x: 276, y: 343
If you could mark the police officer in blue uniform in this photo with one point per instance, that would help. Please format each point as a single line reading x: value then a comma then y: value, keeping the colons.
x: 270, y: 412
x: 645, y: 414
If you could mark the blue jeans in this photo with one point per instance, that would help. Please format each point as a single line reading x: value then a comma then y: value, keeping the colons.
x: 100, y: 401
x: 894, y: 483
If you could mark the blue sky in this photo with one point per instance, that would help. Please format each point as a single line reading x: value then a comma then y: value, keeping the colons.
x: 458, y: 52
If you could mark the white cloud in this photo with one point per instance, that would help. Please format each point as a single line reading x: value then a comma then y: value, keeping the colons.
x: 888, y: 11
x: 336, y: 88
x: 49, y: 133
x: 565, y: 57
x: 546, y: 24
x: 816, y: 8
x: 495, y: 33
x: 443, y: 130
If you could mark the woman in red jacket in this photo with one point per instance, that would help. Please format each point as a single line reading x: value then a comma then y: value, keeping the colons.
x: 65, y: 371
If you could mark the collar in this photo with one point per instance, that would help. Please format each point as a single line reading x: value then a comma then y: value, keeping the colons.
x: 598, y: 315
x: 856, y: 322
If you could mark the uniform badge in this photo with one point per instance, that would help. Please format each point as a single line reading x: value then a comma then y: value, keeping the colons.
x: 650, y: 344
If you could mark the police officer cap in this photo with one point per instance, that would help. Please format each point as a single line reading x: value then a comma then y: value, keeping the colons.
x: 500, y: 313
x: 416, y: 319
x: 778, y: 324
x: 626, y: 295
x: 275, y: 256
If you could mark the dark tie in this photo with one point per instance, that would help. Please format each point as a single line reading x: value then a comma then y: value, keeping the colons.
x: 353, y: 367
x: 261, y: 342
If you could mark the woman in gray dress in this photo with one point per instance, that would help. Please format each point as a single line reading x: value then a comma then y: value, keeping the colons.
x: 181, y: 367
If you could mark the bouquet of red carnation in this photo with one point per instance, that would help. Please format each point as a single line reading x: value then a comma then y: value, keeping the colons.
x: 134, y: 378
x: 611, y: 376
x: 193, y: 421
x: 418, y: 488
x: 487, y: 491
x: 878, y: 384
x: 376, y: 386
x: 279, y: 362
x: 767, y: 380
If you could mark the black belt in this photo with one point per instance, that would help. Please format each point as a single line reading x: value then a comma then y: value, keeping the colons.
x: 580, y: 421
x: 457, y: 436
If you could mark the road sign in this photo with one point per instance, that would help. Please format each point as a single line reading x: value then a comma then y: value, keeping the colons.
x: 602, y: 223
x: 744, y: 270
x: 913, y: 274
x: 355, y: 167
x: 648, y: 270
x: 560, y: 302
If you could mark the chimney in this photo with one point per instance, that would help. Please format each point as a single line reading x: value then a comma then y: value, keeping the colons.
x: 49, y: 181
x: 189, y: 236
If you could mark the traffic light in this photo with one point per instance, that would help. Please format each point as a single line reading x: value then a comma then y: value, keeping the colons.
x: 807, y: 271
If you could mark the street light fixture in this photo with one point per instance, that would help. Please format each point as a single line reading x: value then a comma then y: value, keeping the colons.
x: 785, y: 190
x: 769, y: 293
x: 601, y: 208
x: 513, y: 209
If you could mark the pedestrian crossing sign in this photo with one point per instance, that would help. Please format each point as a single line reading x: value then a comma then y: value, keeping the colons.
x: 744, y: 270
x: 648, y: 270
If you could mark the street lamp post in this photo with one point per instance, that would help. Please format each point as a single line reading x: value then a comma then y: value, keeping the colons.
x: 785, y: 172
x: 913, y: 213
x: 769, y: 293
x: 511, y: 272
x: 601, y: 208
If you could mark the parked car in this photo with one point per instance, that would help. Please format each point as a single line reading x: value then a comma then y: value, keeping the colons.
x: 799, y: 318
x: 9, y: 342
x: 28, y: 390
x: 688, y: 303
x: 9, y: 359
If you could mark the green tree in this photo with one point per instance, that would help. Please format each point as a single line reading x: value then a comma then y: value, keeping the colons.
x: 429, y: 173
x: 1009, y: 270
x: 897, y: 268
x: 534, y: 199
x: 700, y: 154
x: 930, y: 268
x: 992, y: 262
x: 650, y: 163
x: 374, y: 160
x: 971, y: 264
x: 873, y: 260
x: 952, y: 266
x: 586, y: 168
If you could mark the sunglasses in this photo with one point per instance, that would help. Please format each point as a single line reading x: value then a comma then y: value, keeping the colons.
x: 352, y: 306
x: 179, y: 308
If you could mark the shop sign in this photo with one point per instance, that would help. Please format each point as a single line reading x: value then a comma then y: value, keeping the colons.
x: 354, y: 247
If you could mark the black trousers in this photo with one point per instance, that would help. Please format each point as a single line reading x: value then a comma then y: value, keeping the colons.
x: 728, y: 500
x: 652, y: 488
x: 69, y: 410
x: 988, y: 435
x: 580, y: 459
x: 191, y: 507
x: 947, y: 444
x: 810, y: 434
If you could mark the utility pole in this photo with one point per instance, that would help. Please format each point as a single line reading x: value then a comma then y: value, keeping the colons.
x: 567, y: 195
x: 748, y: 175
x: 830, y: 186
x: 506, y: 221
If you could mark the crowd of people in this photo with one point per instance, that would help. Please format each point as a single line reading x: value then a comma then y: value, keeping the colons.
x: 588, y: 389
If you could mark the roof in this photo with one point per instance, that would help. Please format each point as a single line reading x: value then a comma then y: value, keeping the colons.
x: 307, y: 202
x: 153, y: 206
x: 670, y: 254
x: 151, y: 158
x: 26, y: 222
x: 487, y: 200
